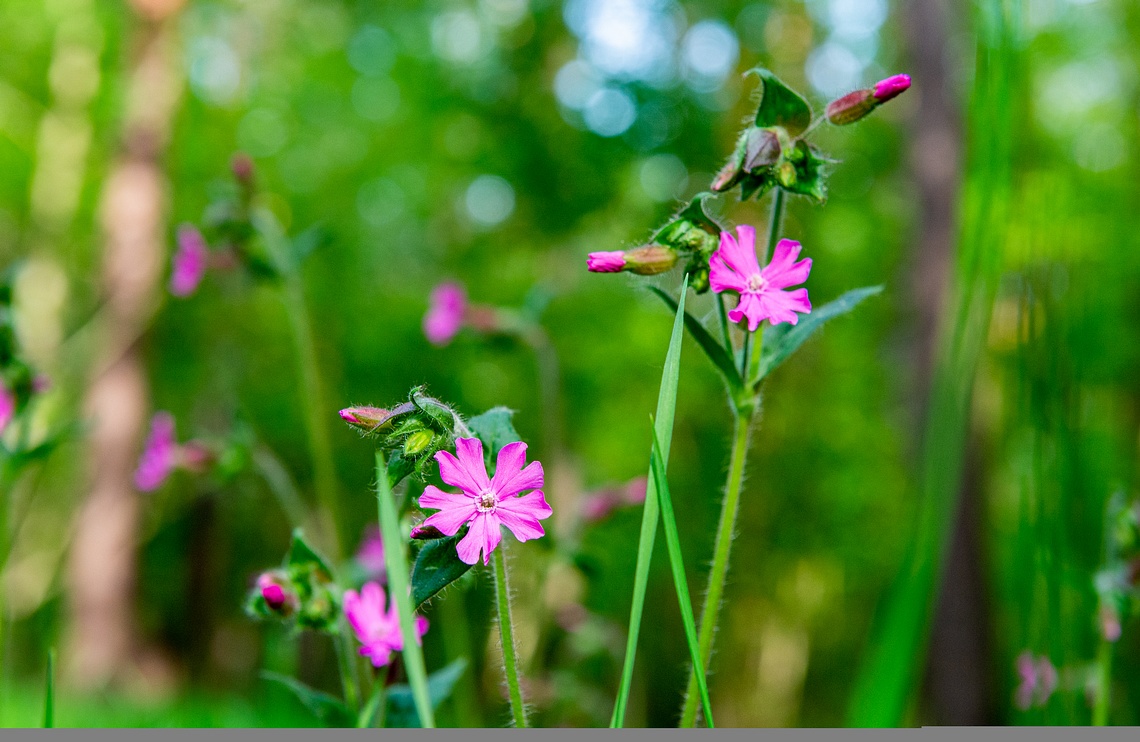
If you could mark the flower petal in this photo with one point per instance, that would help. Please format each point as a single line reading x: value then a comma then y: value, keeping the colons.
x: 521, y: 515
x: 454, y: 510
x: 783, y: 270
x: 722, y: 277
x: 467, y: 472
x: 740, y: 255
x: 781, y: 306
x: 510, y: 476
x: 748, y: 307
x: 484, y: 534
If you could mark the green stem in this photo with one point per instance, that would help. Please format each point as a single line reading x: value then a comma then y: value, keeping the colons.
x: 346, y: 662
x: 1103, y: 684
x: 313, y: 404
x: 395, y: 542
x: 717, y: 575
x: 774, y: 224
x: 722, y: 312
x: 507, y: 639
x: 49, y: 691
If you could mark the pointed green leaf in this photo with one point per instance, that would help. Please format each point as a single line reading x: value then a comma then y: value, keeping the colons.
x: 677, y: 565
x: 300, y: 554
x: 663, y: 429
x: 781, y: 340
x: 401, y: 709
x: 714, y: 350
x: 494, y: 428
x: 329, y: 710
x: 437, y: 566
x: 780, y: 105
x: 49, y: 691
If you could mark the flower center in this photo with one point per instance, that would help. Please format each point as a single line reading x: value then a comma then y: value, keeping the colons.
x: 756, y: 283
x: 486, y: 501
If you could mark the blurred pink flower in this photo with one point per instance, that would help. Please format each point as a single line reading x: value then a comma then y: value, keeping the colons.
x: 274, y: 592
x: 605, y: 262
x: 378, y: 630
x: 486, y: 503
x: 891, y: 87
x: 446, y: 313
x: 1038, y: 680
x: 598, y: 505
x: 160, y: 454
x: 370, y: 555
x: 734, y: 268
x: 7, y: 406
x: 189, y: 263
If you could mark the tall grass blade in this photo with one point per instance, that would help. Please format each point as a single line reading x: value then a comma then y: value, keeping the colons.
x: 677, y: 564
x: 49, y: 691
x: 891, y: 673
x: 663, y: 431
x: 397, y: 562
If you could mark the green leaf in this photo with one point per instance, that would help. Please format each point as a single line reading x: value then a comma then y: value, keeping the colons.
x: 494, y: 428
x: 694, y: 213
x: 663, y: 430
x: 301, y: 554
x: 49, y: 691
x: 780, y: 105
x: 399, y: 590
x: 329, y: 710
x: 437, y: 566
x: 305, y: 243
x: 677, y: 565
x: 781, y: 340
x: 714, y: 350
x: 401, y: 708
x: 810, y: 179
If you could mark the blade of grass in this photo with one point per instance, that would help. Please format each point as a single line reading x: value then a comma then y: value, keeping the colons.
x: 663, y: 430
x: 891, y: 672
x: 676, y: 563
x: 397, y: 562
x: 49, y: 691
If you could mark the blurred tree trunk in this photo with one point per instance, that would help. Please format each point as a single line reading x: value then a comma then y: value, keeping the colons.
x: 100, y: 646
x: 956, y: 674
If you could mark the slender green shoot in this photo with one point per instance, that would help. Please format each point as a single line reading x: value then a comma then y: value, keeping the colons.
x: 663, y: 430
x: 1103, y: 684
x: 49, y: 691
x: 399, y: 592
x: 676, y: 563
x: 507, y: 638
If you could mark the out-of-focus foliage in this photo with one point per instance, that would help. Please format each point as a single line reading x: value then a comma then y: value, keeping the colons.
x: 496, y: 142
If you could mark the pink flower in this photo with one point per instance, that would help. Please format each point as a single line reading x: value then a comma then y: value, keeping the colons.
x: 1038, y: 680
x: 378, y: 630
x: 486, y: 504
x: 893, y: 86
x: 598, y: 505
x: 189, y: 261
x: 274, y: 593
x: 734, y: 268
x: 446, y: 313
x: 605, y: 262
x: 7, y: 406
x: 160, y: 454
x: 370, y: 555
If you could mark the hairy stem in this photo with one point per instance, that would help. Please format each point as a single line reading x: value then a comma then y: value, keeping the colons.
x: 507, y: 638
x: 719, y: 570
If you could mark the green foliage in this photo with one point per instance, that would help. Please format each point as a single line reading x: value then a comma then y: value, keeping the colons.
x: 780, y: 105
x: 712, y: 348
x: 437, y: 565
x: 495, y: 430
x: 329, y: 710
x: 401, y: 708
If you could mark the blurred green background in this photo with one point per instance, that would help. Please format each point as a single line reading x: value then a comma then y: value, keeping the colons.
x: 496, y: 142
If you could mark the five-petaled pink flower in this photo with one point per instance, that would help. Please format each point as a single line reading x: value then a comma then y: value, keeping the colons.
x: 486, y: 503
x: 378, y: 630
x: 446, y: 313
x: 734, y: 268
x: 160, y: 454
x: 190, y: 261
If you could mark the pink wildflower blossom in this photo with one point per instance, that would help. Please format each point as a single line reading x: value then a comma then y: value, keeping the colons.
x: 370, y: 555
x: 378, y: 630
x: 734, y: 268
x: 891, y: 87
x: 1038, y: 680
x: 190, y: 261
x: 598, y: 505
x: 486, y: 503
x: 446, y: 313
x: 159, y: 456
x: 606, y: 262
x: 7, y: 406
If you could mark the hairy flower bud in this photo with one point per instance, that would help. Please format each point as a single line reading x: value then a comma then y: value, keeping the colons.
x: 425, y: 533
x: 371, y: 419
x: 606, y: 262
x: 854, y: 106
x: 891, y: 87
x: 278, y: 594
x: 418, y: 442
x: 762, y: 149
x: 650, y: 260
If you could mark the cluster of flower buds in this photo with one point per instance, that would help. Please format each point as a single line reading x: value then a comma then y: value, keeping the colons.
x: 854, y: 106
x: 416, y: 429
x: 300, y: 593
x: 691, y: 234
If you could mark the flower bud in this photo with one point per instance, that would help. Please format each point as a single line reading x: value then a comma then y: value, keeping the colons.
x: 417, y: 442
x: 786, y: 174
x: 851, y: 107
x: 650, y: 260
x: 606, y: 262
x: 728, y: 176
x: 761, y: 150
x: 277, y: 593
x: 891, y: 87
x: 424, y: 533
x: 195, y: 456
x: 370, y: 419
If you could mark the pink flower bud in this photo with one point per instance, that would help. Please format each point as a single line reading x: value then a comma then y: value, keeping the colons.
x: 851, y: 107
x: 369, y: 419
x: 7, y: 406
x: 273, y: 588
x: 891, y: 87
x: 159, y: 455
x: 426, y: 533
x: 605, y: 262
x: 446, y: 313
x: 190, y: 261
x: 728, y: 176
x: 650, y: 260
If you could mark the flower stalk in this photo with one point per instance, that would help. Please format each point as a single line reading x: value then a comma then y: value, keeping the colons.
x: 507, y: 639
